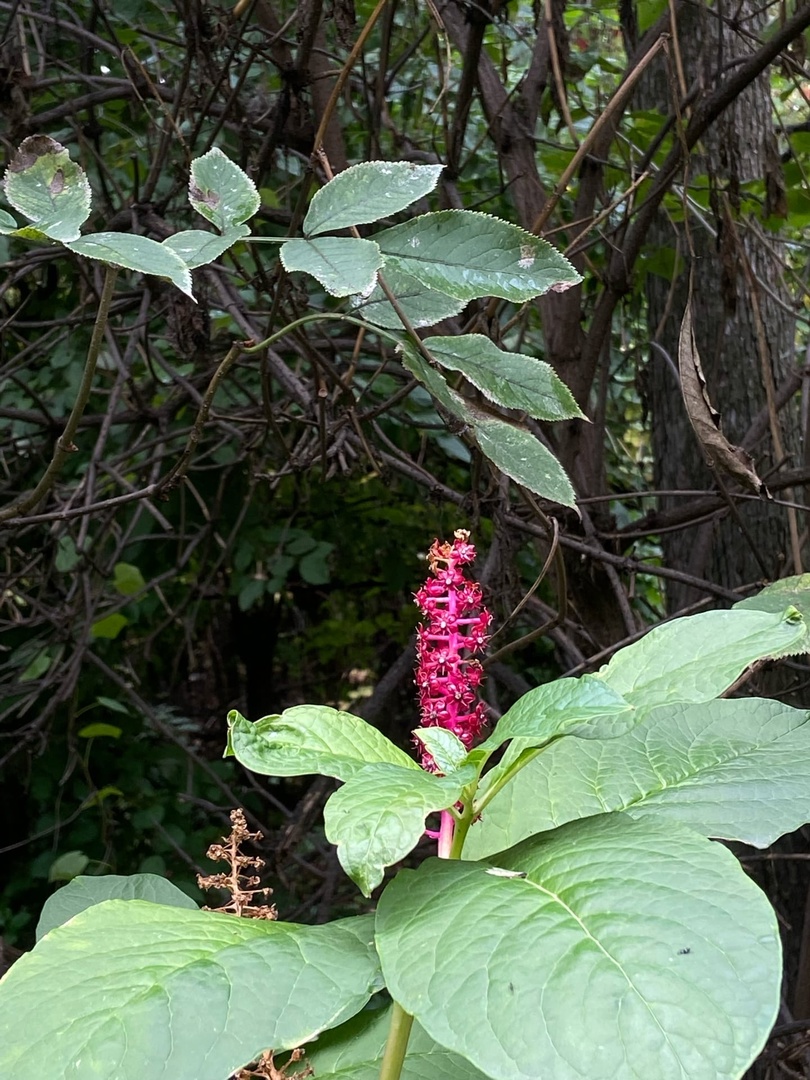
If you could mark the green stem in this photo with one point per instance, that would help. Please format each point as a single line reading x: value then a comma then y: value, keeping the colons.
x: 397, y: 1044
x: 64, y: 444
x: 322, y: 316
x: 493, y: 789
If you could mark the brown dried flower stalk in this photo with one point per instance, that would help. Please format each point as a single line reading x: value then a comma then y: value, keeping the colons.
x: 242, y: 886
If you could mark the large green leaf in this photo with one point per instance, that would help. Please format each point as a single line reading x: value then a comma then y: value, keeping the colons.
x: 197, y: 247
x: 354, y: 1052
x: 378, y: 816
x: 135, y: 253
x: 421, y: 306
x: 311, y: 739
x: 698, y: 657
x: 780, y: 595
x: 344, y: 265
x: 738, y: 769
x: 367, y: 192
x: 629, y: 949
x: 586, y: 707
x: 469, y: 255
x: 129, y: 990
x: 83, y: 892
x: 222, y: 192
x: 521, y: 456
x: 514, y: 380
x: 52, y: 191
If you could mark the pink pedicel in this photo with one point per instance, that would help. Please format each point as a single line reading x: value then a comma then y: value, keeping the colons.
x: 456, y: 627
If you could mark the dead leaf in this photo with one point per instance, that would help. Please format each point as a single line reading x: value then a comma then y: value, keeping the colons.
x: 705, y: 419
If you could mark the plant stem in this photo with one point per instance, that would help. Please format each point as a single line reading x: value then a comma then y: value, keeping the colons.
x: 446, y: 832
x: 64, y: 444
x: 396, y: 1044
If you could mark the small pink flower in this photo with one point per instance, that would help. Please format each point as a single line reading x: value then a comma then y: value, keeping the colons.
x: 447, y: 676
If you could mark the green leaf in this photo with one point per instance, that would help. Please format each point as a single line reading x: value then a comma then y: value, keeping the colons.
x: 135, y: 253
x: 222, y: 192
x: 516, y: 452
x: 367, y: 192
x: 111, y: 703
x: 198, y: 248
x: 446, y: 749
x: 109, y: 627
x: 354, y: 1052
x: 629, y: 950
x: 378, y: 816
x: 38, y: 666
x: 736, y: 769
x: 311, y: 739
x: 7, y: 223
x: 127, y: 579
x: 421, y: 306
x: 778, y: 597
x: 99, y: 730
x: 128, y: 990
x: 698, y: 657
x: 468, y: 255
x: 66, y: 555
x: 513, y: 380
x: 52, y: 191
x: 583, y: 707
x: 85, y: 892
x: 344, y: 265
x: 68, y: 866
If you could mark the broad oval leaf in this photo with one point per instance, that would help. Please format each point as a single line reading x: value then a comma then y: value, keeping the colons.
x: 445, y: 747
x: 220, y: 191
x: 698, y: 657
x: 198, y: 248
x: 378, y: 816
x: 128, y: 990
x: 135, y: 253
x: 736, y: 769
x: 52, y: 191
x: 7, y: 223
x: 83, y: 892
x: 310, y: 739
x: 468, y: 255
x: 354, y: 1051
x: 344, y: 265
x: 777, y: 597
x: 628, y: 950
x: 523, y: 457
x: 513, y: 380
x: 421, y: 306
x: 367, y: 192
x: 585, y: 707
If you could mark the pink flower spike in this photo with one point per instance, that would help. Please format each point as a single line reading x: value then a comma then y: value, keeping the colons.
x: 455, y: 629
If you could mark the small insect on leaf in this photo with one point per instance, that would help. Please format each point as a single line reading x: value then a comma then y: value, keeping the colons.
x: 497, y: 871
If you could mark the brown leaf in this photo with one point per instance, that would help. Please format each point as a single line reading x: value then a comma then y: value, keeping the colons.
x: 720, y: 453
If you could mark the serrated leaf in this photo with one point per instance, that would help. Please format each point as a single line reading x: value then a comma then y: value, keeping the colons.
x: 421, y: 306
x: 354, y: 1052
x: 513, y: 380
x: 52, y: 191
x: 522, y: 457
x: 584, y: 707
x: 84, y: 892
x: 468, y: 255
x: 698, y: 657
x: 311, y: 739
x: 367, y: 192
x: 628, y: 950
x: 378, y: 816
x: 128, y: 990
x: 447, y: 750
x: 735, y: 769
x: 127, y: 579
x: 198, y: 248
x: 135, y: 253
x: 220, y: 191
x: 344, y: 265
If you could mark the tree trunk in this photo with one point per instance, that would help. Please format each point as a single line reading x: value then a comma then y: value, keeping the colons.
x: 725, y: 240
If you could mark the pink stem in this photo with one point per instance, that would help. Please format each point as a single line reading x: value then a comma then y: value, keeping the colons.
x: 446, y: 832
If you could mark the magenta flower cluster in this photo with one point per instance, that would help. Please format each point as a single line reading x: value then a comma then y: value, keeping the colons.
x: 447, y: 675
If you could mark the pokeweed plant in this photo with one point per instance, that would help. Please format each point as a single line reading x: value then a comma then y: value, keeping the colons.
x: 580, y: 921
x: 406, y: 277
